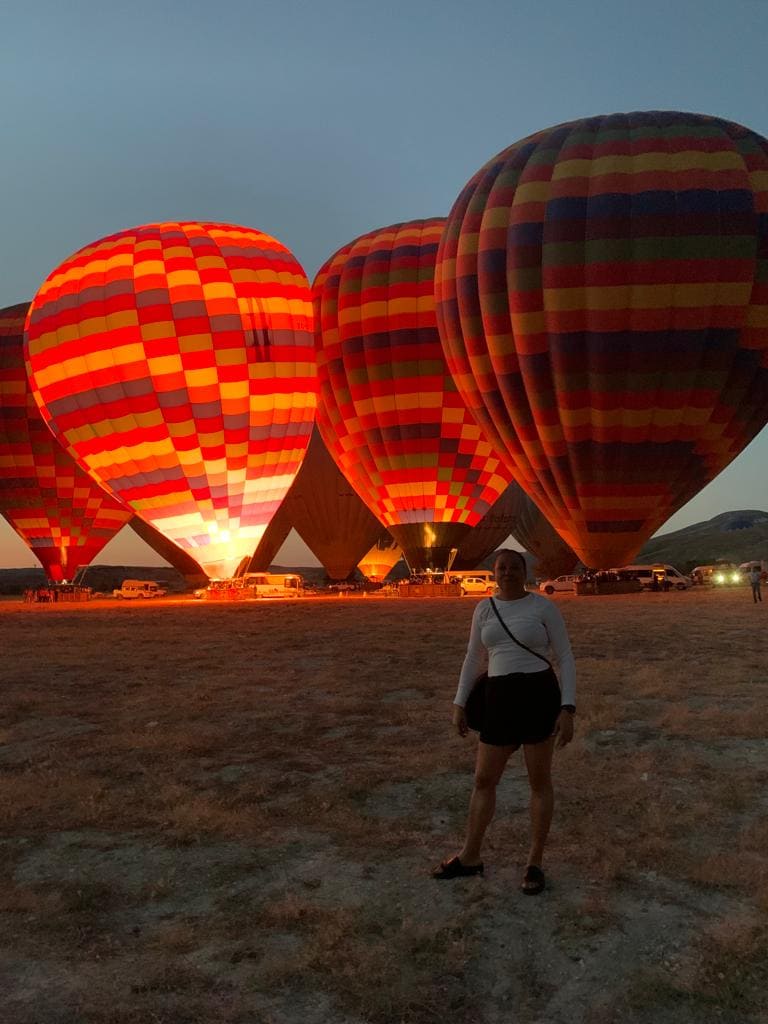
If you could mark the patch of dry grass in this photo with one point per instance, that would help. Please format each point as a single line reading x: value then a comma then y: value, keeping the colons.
x: 228, y: 814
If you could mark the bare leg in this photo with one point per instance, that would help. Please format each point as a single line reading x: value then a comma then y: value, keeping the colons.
x: 489, y: 768
x: 538, y: 761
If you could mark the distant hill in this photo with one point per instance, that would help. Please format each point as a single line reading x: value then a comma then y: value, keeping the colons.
x: 730, y: 537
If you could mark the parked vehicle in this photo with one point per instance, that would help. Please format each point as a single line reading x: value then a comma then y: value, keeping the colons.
x: 479, y: 582
x: 559, y: 585
x: 728, y: 576
x: 702, y: 574
x: 135, y: 589
x: 655, y: 577
x: 253, y: 584
x: 271, y: 584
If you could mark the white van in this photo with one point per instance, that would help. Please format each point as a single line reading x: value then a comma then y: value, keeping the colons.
x: 667, y: 576
x: 271, y: 584
x: 131, y: 589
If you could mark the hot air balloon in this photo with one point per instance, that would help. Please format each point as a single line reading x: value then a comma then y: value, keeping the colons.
x: 376, y: 564
x: 515, y: 514
x: 602, y: 298
x: 56, y: 509
x: 181, y: 561
x: 389, y: 412
x: 176, y: 363
x: 326, y: 512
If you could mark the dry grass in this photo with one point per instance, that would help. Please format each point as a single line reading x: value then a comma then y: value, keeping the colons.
x: 227, y: 814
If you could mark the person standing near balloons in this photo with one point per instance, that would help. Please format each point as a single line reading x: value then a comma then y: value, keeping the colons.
x: 524, y: 706
x: 754, y: 578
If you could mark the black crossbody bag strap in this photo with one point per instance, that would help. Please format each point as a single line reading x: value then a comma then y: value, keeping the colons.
x: 511, y: 635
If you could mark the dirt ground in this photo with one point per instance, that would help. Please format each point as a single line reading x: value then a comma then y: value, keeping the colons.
x: 227, y: 814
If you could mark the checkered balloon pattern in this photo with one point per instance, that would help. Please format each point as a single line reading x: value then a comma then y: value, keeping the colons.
x: 176, y: 363
x: 602, y: 298
x: 53, y: 505
x: 389, y: 412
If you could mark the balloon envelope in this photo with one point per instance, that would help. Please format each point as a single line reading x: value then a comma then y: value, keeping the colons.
x: 175, y: 361
x: 53, y: 505
x: 182, y: 562
x: 383, y: 556
x: 327, y: 513
x: 515, y: 514
x: 389, y: 412
x: 602, y: 297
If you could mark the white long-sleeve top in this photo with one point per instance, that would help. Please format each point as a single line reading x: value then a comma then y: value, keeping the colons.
x: 537, y: 623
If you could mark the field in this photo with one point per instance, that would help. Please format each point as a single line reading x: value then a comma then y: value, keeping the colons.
x: 227, y: 814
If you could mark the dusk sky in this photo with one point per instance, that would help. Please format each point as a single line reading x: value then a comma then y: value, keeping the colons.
x: 316, y: 122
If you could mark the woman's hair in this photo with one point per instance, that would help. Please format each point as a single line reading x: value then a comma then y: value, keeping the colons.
x: 511, y: 551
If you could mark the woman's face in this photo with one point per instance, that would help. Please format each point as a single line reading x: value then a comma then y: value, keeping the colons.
x: 509, y: 572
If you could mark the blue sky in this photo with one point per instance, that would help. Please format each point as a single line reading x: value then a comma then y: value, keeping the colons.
x: 318, y: 121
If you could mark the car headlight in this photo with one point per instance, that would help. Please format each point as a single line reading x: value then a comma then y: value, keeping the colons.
x: 720, y: 578
x: 735, y: 578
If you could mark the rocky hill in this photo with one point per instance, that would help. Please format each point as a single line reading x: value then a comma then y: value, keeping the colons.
x: 731, y: 537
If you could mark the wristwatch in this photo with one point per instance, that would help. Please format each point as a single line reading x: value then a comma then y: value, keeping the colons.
x: 570, y: 708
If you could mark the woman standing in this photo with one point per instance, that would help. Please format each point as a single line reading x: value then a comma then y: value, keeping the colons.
x: 524, y: 707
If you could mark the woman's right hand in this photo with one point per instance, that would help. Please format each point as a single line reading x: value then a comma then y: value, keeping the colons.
x: 459, y: 718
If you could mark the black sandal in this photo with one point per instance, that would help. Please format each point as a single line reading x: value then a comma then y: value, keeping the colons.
x: 533, y: 881
x: 453, y: 868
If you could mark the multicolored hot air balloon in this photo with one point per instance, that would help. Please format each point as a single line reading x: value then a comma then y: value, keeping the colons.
x: 181, y: 561
x: 389, y: 412
x: 56, y: 509
x: 176, y: 363
x: 602, y: 298
x: 326, y: 512
x: 383, y: 556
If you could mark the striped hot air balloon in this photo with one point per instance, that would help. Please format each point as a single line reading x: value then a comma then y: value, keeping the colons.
x: 602, y: 298
x: 53, y: 505
x: 176, y: 363
x: 389, y: 412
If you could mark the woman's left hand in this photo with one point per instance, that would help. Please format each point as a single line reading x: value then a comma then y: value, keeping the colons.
x: 563, y: 729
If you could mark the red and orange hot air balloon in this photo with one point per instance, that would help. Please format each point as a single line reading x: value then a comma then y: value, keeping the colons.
x: 389, y: 412
x: 53, y: 505
x: 602, y: 298
x: 176, y: 363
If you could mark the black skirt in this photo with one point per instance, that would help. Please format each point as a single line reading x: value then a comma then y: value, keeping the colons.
x: 520, y: 708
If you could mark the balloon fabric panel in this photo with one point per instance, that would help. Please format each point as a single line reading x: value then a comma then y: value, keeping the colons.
x: 53, y: 505
x: 602, y: 298
x: 389, y: 412
x: 176, y: 363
